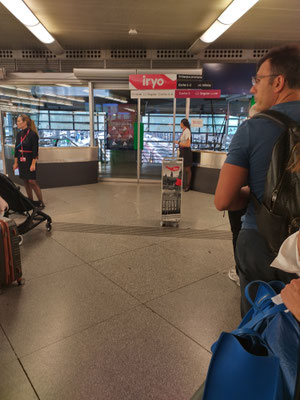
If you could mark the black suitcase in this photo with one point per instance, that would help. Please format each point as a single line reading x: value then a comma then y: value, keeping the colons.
x: 10, y: 257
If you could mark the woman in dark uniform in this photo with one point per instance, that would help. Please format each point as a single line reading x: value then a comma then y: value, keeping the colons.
x: 26, y: 154
x: 185, y: 151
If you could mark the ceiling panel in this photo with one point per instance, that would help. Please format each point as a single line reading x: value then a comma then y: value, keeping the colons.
x: 167, y: 24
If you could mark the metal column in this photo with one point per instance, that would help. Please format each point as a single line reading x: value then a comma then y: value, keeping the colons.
x: 227, y: 125
x: 139, y: 141
x: 2, y: 143
x: 174, y: 126
x: 187, y: 108
x: 91, y: 109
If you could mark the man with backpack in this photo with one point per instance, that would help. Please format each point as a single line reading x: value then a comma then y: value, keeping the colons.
x: 276, y: 86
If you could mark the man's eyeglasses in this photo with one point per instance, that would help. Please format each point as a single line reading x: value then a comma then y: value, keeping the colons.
x: 256, y: 79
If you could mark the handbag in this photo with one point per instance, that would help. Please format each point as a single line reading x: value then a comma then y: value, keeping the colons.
x: 259, y: 359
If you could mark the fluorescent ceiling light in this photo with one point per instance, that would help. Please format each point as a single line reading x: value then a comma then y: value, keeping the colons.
x: 214, y: 31
x: 41, y: 33
x: 20, y: 10
x: 235, y: 10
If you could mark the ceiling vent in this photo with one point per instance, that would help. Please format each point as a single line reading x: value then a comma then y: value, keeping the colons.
x: 259, y: 53
x: 87, y: 54
x: 6, y: 54
x: 128, y: 53
x: 33, y: 54
x: 223, y: 53
x: 173, y: 54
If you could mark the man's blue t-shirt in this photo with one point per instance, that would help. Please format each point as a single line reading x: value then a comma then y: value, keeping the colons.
x: 251, y: 148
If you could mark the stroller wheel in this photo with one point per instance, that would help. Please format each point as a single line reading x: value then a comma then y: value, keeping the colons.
x: 48, y: 226
x: 20, y: 240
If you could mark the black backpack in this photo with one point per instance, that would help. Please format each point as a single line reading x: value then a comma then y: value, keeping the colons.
x: 278, y: 215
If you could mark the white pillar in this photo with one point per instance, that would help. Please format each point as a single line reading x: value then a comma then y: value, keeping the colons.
x: 2, y: 143
x: 187, y: 108
x: 174, y: 126
x: 91, y: 109
x: 139, y: 141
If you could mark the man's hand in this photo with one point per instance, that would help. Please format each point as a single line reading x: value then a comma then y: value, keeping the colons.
x: 291, y: 297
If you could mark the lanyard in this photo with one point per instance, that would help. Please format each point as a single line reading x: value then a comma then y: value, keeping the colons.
x: 22, y: 140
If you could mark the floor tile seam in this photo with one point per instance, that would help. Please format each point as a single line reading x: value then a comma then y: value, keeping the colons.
x: 116, y: 284
x: 123, y: 252
x: 79, y: 331
x: 82, y: 263
x: 19, y: 361
x: 181, y: 287
x: 64, y: 247
x: 178, y: 329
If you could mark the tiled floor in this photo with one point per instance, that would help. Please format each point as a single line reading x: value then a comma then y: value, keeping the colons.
x: 114, y: 306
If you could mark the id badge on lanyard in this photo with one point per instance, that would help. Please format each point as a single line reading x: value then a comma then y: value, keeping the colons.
x: 22, y: 158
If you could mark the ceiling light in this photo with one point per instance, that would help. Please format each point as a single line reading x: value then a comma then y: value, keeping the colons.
x: 235, y: 10
x: 132, y: 32
x: 214, y: 31
x: 41, y: 33
x: 20, y: 10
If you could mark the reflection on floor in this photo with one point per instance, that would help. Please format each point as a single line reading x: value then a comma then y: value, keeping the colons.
x: 129, y: 170
x: 114, y: 306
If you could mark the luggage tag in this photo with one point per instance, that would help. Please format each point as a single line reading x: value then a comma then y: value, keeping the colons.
x: 23, y: 159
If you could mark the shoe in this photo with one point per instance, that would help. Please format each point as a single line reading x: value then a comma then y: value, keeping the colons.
x: 186, y: 189
x: 39, y: 204
x: 232, y: 275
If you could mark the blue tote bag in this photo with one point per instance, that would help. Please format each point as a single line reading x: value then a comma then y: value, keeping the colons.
x: 259, y: 359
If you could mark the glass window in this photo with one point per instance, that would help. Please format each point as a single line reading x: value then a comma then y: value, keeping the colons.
x: 61, y: 125
x: 82, y: 126
x: 66, y: 117
x: 43, y: 125
x: 82, y: 118
x: 43, y: 117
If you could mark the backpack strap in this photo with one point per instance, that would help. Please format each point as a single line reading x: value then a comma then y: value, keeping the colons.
x: 278, y: 117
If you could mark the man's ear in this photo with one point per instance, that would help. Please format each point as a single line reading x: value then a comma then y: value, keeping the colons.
x: 279, y: 83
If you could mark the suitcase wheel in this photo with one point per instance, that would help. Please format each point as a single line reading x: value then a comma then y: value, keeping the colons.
x: 48, y: 226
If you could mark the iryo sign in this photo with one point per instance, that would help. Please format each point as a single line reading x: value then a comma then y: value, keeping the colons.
x: 152, y: 82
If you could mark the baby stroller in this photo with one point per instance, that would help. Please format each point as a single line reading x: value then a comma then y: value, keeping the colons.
x: 19, y: 203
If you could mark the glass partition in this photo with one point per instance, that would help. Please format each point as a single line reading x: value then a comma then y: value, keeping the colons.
x: 61, y: 114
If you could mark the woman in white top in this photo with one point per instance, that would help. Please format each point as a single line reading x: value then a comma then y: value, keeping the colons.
x: 185, y: 151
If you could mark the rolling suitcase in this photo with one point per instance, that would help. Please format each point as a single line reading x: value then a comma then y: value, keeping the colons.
x: 10, y: 257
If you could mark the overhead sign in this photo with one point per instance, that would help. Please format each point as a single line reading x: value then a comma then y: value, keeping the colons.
x: 192, y: 82
x: 152, y: 81
x: 152, y: 94
x: 196, y: 122
x: 198, y: 94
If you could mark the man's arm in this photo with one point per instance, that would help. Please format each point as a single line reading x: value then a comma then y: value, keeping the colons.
x: 231, y: 192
